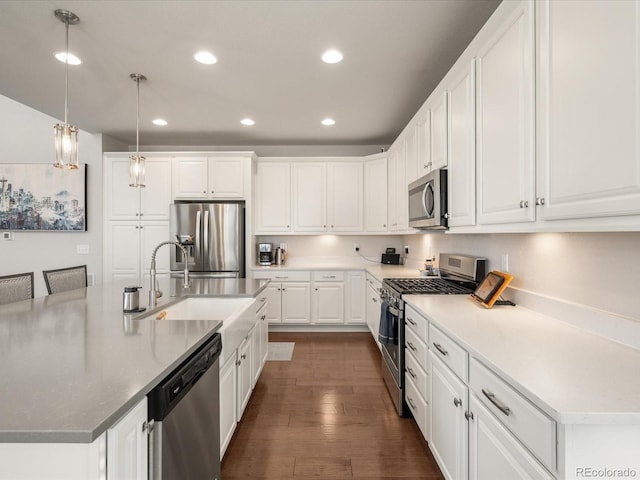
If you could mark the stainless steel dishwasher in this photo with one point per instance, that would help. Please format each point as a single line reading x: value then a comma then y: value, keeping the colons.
x: 185, y: 411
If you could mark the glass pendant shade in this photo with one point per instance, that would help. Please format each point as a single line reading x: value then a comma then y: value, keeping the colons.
x: 66, y: 135
x: 136, y: 171
x: 66, y: 146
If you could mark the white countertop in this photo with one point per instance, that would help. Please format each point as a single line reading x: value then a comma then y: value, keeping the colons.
x: 572, y: 375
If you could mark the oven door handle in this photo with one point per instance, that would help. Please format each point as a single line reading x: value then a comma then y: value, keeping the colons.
x: 394, y: 311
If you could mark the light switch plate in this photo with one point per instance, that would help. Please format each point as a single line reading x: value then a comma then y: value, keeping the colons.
x: 82, y: 249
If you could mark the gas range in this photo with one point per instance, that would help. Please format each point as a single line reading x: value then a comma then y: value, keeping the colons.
x: 460, y: 275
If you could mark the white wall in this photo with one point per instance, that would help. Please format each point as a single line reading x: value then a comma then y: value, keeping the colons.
x: 598, y: 270
x: 27, y: 137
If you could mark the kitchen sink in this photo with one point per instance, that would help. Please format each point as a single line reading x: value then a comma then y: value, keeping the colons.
x: 202, y: 309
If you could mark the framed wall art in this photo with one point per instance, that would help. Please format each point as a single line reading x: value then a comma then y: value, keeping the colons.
x: 40, y: 197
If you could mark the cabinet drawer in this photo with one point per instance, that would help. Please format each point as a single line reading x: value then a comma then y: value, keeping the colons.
x: 282, y: 276
x: 418, y: 374
x: 532, y: 427
x: 416, y: 347
x: 417, y: 323
x: 452, y: 354
x: 328, y: 276
x: 417, y: 405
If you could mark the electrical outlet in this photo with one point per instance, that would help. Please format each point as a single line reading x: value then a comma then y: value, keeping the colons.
x: 7, y: 235
x: 82, y: 249
x: 283, y: 246
x: 356, y: 247
x: 504, y: 262
x: 406, y: 249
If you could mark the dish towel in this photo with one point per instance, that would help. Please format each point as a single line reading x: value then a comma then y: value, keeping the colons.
x: 387, y: 330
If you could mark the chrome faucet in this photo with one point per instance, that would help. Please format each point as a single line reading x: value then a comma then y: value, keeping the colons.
x: 154, y: 291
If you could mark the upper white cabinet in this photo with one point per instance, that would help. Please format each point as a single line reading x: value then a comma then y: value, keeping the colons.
x: 461, y: 146
x: 208, y: 177
x: 411, y: 153
x: 327, y: 196
x: 123, y: 202
x: 375, y: 194
x: 438, y: 114
x: 588, y: 108
x: 505, y: 122
x: 273, y: 197
x: 398, y: 190
x: 309, y: 196
x: 423, y: 144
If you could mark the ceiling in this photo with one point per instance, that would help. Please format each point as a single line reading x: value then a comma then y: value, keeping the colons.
x: 269, y: 67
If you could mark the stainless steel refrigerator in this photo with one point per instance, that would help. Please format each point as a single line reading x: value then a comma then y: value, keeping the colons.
x: 213, y: 235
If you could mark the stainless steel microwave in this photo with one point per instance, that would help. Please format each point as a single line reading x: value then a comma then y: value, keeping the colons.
x: 428, y: 201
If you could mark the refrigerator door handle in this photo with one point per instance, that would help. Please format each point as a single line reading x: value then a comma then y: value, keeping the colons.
x: 198, y: 244
x: 206, y: 237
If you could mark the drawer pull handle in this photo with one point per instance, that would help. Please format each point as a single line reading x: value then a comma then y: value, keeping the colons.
x: 410, y: 402
x: 499, y: 405
x: 440, y: 349
x: 284, y: 278
x: 328, y: 276
x: 411, y: 372
x: 412, y: 347
x: 410, y: 320
x: 457, y: 402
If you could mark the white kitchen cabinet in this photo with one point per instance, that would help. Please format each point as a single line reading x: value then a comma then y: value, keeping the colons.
x: 273, y: 197
x: 439, y: 122
x: 288, y: 296
x: 355, y: 310
x: 494, y: 452
x: 127, y: 445
x: 423, y: 145
x: 505, y: 122
x: 345, y: 197
x: 374, y: 288
x: 296, y: 302
x: 411, y: 155
x: 128, y: 248
x: 416, y: 369
x: 327, y: 196
x: 228, y: 389
x: 398, y: 190
x: 123, y: 202
x: 449, y: 430
x: 375, y: 194
x: 309, y: 196
x: 327, y: 299
x: 588, y: 99
x: 244, y: 362
x: 461, y: 147
x: 208, y: 177
x: 260, y: 343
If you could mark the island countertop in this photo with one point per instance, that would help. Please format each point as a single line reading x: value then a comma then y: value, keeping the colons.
x: 73, y: 363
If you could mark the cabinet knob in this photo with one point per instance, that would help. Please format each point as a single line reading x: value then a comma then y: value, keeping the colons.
x: 539, y: 201
x: 457, y: 402
x: 524, y: 204
x: 244, y: 356
x: 384, y: 225
x: 204, y: 191
x: 316, y: 289
x: 141, y: 214
x: 331, y: 226
x: 137, y: 214
x: 212, y: 191
x: 468, y: 415
x: 324, y: 226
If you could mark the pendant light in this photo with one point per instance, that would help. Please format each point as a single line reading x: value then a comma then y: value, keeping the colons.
x: 66, y: 135
x: 136, y: 163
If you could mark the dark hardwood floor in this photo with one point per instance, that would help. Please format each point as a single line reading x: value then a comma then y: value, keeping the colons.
x: 326, y: 414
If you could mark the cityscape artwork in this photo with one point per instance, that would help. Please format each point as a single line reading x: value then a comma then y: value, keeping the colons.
x: 35, y: 196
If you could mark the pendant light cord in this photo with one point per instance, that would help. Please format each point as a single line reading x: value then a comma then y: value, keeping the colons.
x: 66, y: 72
x: 138, y: 117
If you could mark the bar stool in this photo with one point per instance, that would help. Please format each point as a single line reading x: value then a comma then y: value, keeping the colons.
x: 14, y: 288
x: 63, y: 279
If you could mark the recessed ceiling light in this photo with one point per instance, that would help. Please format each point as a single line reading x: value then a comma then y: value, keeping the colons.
x: 328, y: 122
x: 332, y: 56
x: 73, y: 60
x: 247, y: 121
x: 160, y: 122
x: 207, y: 58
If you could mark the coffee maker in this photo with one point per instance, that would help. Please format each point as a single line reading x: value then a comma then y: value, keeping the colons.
x: 265, y: 253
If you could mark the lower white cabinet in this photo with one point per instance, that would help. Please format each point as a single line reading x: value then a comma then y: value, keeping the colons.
x: 373, y: 306
x: 494, y: 453
x: 327, y: 297
x: 245, y: 374
x: 449, y: 432
x: 260, y: 340
x: 228, y: 387
x: 355, y: 310
x: 127, y: 445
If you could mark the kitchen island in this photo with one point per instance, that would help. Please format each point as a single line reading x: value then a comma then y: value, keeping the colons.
x: 72, y: 363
